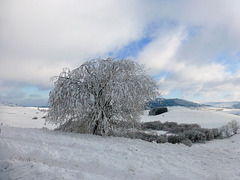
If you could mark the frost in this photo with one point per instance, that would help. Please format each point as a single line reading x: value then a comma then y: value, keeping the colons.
x: 99, y: 93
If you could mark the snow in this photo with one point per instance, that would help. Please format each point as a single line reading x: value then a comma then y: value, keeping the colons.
x: 27, y: 151
x: 205, y: 117
x: 222, y: 104
x: 23, y: 117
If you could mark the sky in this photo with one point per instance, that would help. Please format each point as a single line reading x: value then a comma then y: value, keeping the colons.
x: 191, y: 48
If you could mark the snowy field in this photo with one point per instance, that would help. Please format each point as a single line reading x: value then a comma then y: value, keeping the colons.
x: 207, y: 117
x: 25, y: 117
x: 29, y: 151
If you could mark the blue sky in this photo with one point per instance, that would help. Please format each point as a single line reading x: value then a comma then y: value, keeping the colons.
x: 192, y: 48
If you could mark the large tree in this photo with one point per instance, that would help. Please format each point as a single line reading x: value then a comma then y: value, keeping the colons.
x: 99, y: 93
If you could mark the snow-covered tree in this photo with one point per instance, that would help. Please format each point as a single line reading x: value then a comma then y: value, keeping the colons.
x: 99, y: 93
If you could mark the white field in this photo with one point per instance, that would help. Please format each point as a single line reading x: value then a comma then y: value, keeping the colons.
x: 28, y: 151
x: 205, y: 117
x: 23, y: 117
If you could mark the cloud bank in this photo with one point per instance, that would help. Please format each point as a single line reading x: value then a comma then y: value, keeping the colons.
x: 190, y: 46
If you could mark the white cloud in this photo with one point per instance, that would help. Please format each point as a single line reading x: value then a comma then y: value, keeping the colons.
x: 38, y: 38
x: 200, y: 64
x: 205, y: 83
x: 195, y: 42
x: 158, y: 55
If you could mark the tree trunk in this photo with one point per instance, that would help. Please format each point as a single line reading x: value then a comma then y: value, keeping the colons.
x: 95, y: 127
x: 99, y: 128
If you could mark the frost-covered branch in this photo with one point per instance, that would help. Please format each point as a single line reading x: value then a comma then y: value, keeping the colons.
x: 99, y: 92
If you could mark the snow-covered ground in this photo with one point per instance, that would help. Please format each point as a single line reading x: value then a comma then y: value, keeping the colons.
x: 25, y: 117
x: 207, y: 117
x: 29, y: 152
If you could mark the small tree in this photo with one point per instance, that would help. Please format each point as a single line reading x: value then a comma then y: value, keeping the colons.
x: 235, y: 126
x: 100, y: 93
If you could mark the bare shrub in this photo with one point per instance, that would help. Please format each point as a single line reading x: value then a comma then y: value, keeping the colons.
x: 235, y: 126
x: 150, y: 137
x: 195, y: 136
x: 187, y: 142
x: 125, y: 125
x: 174, y: 139
x: 171, y: 127
x: 192, y: 132
x: 161, y: 139
x: 208, y: 133
x: 184, y: 127
x: 225, y: 131
x: 167, y: 126
x: 215, y: 132
x: 154, y: 125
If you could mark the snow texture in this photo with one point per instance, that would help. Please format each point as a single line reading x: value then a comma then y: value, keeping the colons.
x: 36, y: 153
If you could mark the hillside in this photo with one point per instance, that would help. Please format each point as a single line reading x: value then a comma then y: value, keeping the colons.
x: 231, y: 104
x: 33, y: 152
x: 206, y: 117
x: 161, y: 102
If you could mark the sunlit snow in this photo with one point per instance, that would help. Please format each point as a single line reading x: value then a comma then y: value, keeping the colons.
x: 28, y: 151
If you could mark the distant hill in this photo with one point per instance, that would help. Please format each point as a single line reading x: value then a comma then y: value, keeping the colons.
x: 8, y: 104
x: 237, y: 105
x: 232, y: 104
x: 161, y: 102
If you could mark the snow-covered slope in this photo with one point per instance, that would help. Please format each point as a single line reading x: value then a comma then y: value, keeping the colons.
x: 40, y: 154
x: 205, y: 117
x: 26, y: 117
x: 27, y: 153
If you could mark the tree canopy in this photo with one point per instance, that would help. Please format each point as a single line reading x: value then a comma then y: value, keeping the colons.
x: 99, y: 93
